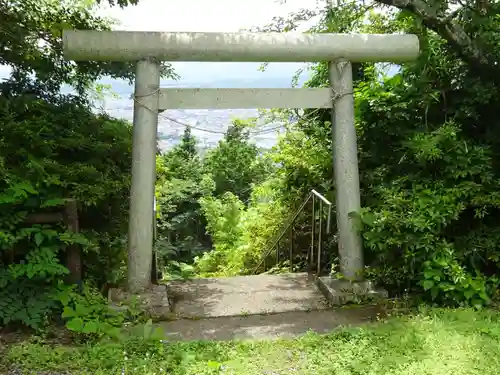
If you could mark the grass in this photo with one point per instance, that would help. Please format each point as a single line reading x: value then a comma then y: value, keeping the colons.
x: 433, y: 341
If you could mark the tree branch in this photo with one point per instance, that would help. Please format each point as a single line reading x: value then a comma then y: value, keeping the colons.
x: 449, y: 29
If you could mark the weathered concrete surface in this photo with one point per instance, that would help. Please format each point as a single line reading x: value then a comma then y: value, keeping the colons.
x: 245, y: 295
x: 154, y: 300
x: 340, y: 292
x: 284, y: 325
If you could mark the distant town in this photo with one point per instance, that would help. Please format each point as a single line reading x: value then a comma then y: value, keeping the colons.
x: 215, y: 122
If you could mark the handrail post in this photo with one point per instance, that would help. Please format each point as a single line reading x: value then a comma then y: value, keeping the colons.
x: 313, y: 227
x: 329, y: 220
x: 291, y: 249
x: 278, y: 252
x: 319, y: 237
x: 154, y: 266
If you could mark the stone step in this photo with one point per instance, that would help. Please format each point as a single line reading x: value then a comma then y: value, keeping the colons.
x: 245, y: 295
x: 283, y: 325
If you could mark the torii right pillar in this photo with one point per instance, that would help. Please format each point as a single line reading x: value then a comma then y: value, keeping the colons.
x: 345, y: 161
x: 351, y: 286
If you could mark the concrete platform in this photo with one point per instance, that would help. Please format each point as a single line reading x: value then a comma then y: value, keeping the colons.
x: 245, y: 295
x: 283, y: 325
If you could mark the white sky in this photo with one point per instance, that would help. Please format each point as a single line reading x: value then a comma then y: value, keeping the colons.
x: 208, y: 15
x: 205, y: 15
x: 201, y: 15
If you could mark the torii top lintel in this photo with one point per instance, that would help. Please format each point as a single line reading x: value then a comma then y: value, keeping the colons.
x: 85, y: 45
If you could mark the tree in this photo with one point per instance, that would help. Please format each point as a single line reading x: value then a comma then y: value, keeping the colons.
x: 54, y: 147
x: 188, y: 143
x: 428, y: 149
x: 31, y: 36
x: 236, y: 163
x: 470, y: 29
x: 180, y: 185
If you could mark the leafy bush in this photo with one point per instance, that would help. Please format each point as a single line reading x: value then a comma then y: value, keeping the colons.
x: 223, y: 217
x: 52, y: 150
x: 235, y: 164
x: 89, y: 314
x: 180, y: 221
x: 428, y: 148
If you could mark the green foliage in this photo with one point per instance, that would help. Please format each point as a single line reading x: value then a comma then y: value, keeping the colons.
x: 235, y: 164
x: 89, y: 314
x: 428, y: 149
x: 52, y: 151
x: 178, y: 271
x: 241, y: 234
x: 199, y: 205
x: 223, y: 223
x: 431, y: 341
x: 180, y: 184
x: 52, y: 148
x: 32, y: 33
x: 442, y: 175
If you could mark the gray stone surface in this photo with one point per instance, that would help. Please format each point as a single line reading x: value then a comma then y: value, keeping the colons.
x: 283, y: 325
x: 340, y: 292
x: 252, y: 307
x: 154, y: 300
x: 245, y: 295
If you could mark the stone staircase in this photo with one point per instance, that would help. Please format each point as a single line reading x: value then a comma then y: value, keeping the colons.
x: 258, y: 306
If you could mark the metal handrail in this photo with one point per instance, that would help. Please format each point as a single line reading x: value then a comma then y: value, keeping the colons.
x: 328, y: 203
x: 274, y: 243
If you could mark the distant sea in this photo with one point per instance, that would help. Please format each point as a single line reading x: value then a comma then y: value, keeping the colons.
x: 120, y: 105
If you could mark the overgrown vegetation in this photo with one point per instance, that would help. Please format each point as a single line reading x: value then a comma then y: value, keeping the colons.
x: 428, y: 160
x: 463, y: 342
x: 428, y: 148
x: 53, y: 148
x: 200, y: 199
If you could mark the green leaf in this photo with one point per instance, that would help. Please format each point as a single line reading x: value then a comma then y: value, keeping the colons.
x: 148, y: 326
x: 81, y: 310
x: 469, y: 293
x: 484, y: 296
x: 64, y: 298
x: 368, y: 218
x: 428, y: 284
x: 213, y: 365
x: 434, y: 292
x: 477, y: 303
x: 39, y: 238
x: 113, y: 332
x: 75, y: 324
x: 68, y: 312
x: 91, y: 327
x: 157, y: 334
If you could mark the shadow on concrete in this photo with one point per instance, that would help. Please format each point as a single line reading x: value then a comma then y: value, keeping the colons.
x: 282, y: 325
x: 245, y: 295
x: 254, y: 307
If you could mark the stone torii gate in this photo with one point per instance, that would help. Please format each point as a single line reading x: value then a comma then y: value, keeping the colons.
x: 148, y: 48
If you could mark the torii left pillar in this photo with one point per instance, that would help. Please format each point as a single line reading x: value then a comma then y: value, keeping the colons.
x: 140, y: 241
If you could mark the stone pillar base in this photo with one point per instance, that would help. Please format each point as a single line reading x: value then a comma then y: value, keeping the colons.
x: 341, y: 292
x: 153, y: 301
